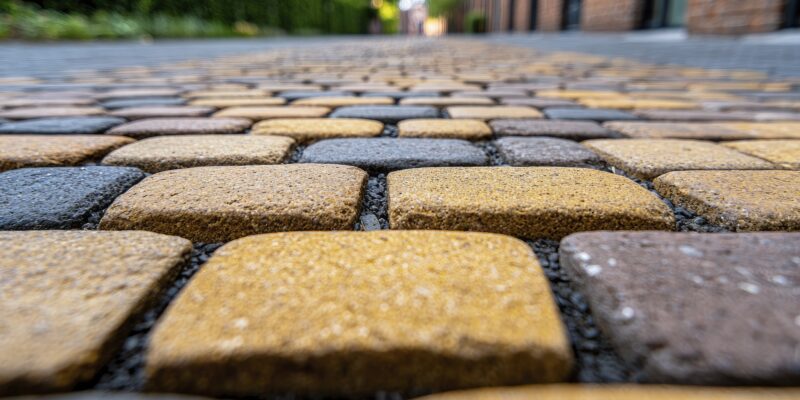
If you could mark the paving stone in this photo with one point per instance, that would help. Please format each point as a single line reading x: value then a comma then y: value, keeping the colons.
x: 69, y: 299
x: 691, y: 308
x: 386, y: 114
x: 450, y: 310
x: 310, y: 129
x: 261, y: 113
x: 445, y: 128
x: 227, y: 94
x: 401, y: 95
x: 181, y: 126
x: 61, y: 126
x: 172, y: 152
x: 238, y: 102
x: 639, y: 104
x: 616, y: 392
x: 143, y: 102
x: 785, y: 153
x: 531, y: 202
x: 765, y: 130
x: 493, y: 112
x: 387, y: 154
x: 446, y: 101
x: 296, y: 95
x: 737, y: 200
x: 694, y: 116
x: 341, y: 101
x: 575, y: 130
x: 40, y: 102
x: 589, y: 114
x: 675, y: 130
x: 18, y: 151
x: 59, y: 198
x: 162, y: 112
x: 137, y: 92
x: 538, y: 102
x: 649, y: 158
x: 531, y: 151
x: 48, y: 112
x: 217, y: 204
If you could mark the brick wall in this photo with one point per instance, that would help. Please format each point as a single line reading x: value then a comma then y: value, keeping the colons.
x: 611, y: 15
x: 549, y: 15
x: 733, y: 17
x: 522, y: 15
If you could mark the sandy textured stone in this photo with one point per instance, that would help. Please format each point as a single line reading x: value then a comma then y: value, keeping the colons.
x: 537, y: 102
x: 260, y: 113
x: 48, y: 112
x: 387, y: 114
x: 224, y: 102
x: 130, y: 93
x: 675, y: 130
x: 162, y: 112
x: 447, y: 310
x: 579, y: 94
x: 694, y: 115
x: 445, y: 128
x: 446, y: 101
x: 530, y: 202
x: 61, y: 126
x: 765, y: 130
x: 575, y: 130
x: 785, y: 153
x: 18, y: 151
x: 616, y: 392
x: 341, y: 101
x: 649, y: 158
x: 530, y: 151
x: 309, y: 129
x: 181, y: 126
x: 691, y: 308
x: 173, y: 152
x: 588, y: 114
x: 217, y: 204
x: 227, y: 94
x: 738, y: 200
x: 639, y: 104
x: 67, y: 299
x: 493, y: 112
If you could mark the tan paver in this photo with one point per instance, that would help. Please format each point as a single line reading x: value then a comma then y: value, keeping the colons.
x: 216, y: 204
x: 230, y: 94
x: 649, y: 158
x: 446, y: 101
x: 617, y: 392
x: 341, y: 101
x: 676, y: 130
x: 308, y: 129
x: 44, y: 112
x: 531, y: 202
x: 285, y: 312
x: 493, y: 112
x: 638, y: 104
x: 67, y: 298
x: 181, y: 126
x: 737, y: 200
x: 173, y: 152
x: 785, y: 153
x: 260, y: 113
x: 224, y: 102
x: 445, y: 128
x: 19, y: 151
x: 766, y: 130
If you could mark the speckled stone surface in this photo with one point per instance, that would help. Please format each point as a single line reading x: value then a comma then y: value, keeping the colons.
x: 217, y: 204
x: 675, y: 130
x: 224, y: 102
x: 129, y: 93
x: 766, y: 130
x: 537, y: 102
x: 181, y: 126
x: 616, y: 392
x: 387, y: 114
x: 649, y: 158
x: 710, y: 309
x: 639, y: 104
x: 445, y: 310
x: 172, y: 152
x: 387, y: 154
x: 738, y: 200
x: 18, y: 151
x: 693, y: 115
x: 61, y: 126
x: 444, y: 129
x: 590, y: 114
x: 531, y: 151
x: 59, y: 198
x: 67, y: 299
x: 785, y: 153
x: 446, y: 101
x: 162, y: 112
x: 530, y: 202
x: 309, y: 129
x: 493, y: 112
x: 341, y: 101
x: 575, y: 130
x: 261, y: 113
x: 143, y: 102
x: 52, y: 111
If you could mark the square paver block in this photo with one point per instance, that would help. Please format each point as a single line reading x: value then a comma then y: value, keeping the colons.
x: 18, y: 151
x: 737, y: 200
x: 785, y: 153
x: 710, y: 309
x: 217, y: 204
x: 446, y: 101
x: 387, y: 154
x: 287, y: 312
x: 765, y: 130
x: 47, y: 112
x: 530, y: 151
x: 162, y: 112
x: 386, y: 114
x: 589, y: 114
x: 341, y: 101
x: 68, y: 299
x: 530, y: 202
x: 575, y: 130
x: 172, y: 152
x: 470, y: 129
x: 181, y: 126
x: 309, y: 129
x: 60, y: 198
x: 493, y: 112
x: 225, y: 102
x: 616, y: 392
x: 675, y: 130
x: 260, y: 113
x: 649, y: 158
x: 694, y: 116
x: 61, y: 126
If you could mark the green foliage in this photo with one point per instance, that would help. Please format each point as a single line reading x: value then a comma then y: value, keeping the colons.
x: 438, y: 8
x: 475, y: 22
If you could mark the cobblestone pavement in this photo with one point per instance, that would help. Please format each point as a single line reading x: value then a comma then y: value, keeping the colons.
x: 393, y: 219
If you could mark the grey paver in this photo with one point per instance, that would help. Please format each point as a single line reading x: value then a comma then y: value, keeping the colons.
x: 591, y: 114
x: 528, y: 151
x: 576, y: 130
x: 65, y: 125
x: 386, y: 114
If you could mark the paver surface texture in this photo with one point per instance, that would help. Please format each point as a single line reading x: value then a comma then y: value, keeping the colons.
x: 480, y: 170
